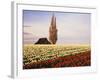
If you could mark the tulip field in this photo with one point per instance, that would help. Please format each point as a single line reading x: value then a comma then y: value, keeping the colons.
x: 54, y: 56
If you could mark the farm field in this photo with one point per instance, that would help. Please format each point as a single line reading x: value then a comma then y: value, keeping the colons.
x: 54, y: 56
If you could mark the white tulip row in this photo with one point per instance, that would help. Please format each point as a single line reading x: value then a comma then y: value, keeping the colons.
x: 35, y: 53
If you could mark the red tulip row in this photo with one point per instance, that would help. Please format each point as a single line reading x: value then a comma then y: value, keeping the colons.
x: 82, y: 59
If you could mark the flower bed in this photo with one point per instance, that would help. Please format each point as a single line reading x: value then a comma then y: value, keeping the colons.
x: 76, y: 60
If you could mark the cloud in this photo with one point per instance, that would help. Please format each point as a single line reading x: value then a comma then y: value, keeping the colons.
x: 29, y: 38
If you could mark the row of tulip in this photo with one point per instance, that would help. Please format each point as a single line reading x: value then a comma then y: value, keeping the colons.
x: 37, y: 53
x: 77, y: 60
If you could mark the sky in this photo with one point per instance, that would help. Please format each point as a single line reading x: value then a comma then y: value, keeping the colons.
x: 73, y: 28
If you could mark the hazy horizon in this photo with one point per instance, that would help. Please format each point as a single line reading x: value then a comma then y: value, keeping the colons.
x: 73, y: 28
